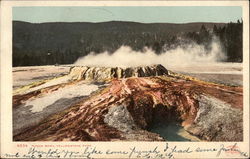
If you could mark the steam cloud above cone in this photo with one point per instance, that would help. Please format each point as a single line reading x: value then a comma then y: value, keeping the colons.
x: 182, y: 55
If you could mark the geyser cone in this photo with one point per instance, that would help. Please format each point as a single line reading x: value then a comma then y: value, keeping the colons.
x: 105, y: 73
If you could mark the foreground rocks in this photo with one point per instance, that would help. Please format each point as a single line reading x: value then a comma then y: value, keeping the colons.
x: 124, y: 108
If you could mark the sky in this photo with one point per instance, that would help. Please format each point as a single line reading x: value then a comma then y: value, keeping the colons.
x: 149, y: 14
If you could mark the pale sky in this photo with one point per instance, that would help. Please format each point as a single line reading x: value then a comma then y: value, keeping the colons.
x: 158, y: 14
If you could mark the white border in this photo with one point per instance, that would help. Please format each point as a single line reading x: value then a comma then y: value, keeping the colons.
x: 8, y: 146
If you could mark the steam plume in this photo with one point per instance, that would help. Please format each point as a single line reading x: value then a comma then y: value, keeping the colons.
x: 183, y: 55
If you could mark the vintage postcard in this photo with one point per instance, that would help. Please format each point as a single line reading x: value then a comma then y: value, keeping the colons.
x: 124, y: 79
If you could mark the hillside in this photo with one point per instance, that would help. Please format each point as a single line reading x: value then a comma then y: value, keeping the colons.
x: 63, y: 43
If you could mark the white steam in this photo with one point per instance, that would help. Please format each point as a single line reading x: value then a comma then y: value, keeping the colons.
x: 181, y: 56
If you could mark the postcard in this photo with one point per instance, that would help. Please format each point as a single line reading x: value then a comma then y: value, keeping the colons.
x: 124, y: 79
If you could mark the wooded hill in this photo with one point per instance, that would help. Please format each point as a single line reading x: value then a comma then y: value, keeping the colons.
x: 63, y: 43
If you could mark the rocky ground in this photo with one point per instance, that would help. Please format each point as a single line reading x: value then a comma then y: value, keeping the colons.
x: 224, y: 73
x: 25, y: 75
x: 110, y: 104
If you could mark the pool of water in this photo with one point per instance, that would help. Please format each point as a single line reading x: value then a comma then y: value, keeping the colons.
x: 173, y: 132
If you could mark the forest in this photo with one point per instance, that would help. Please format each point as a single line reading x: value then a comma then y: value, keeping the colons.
x: 63, y: 43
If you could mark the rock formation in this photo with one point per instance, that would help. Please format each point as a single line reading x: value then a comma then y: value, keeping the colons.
x: 131, y: 102
x: 107, y: 73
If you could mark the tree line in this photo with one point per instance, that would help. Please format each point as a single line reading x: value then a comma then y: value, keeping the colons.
x: 63, y: 43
